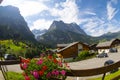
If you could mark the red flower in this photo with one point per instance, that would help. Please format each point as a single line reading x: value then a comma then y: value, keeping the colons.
x: 44, y: 68
x: 50, y: 57
x: 27, y: 78
x: 41, y: 72
x: 25, y: 60
x: 55, y: 61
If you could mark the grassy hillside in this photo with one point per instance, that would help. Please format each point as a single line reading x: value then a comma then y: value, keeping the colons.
x: 25, y: 49
x: 13, y: 47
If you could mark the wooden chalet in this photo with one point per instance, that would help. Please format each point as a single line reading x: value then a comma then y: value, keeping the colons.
x: 105, y: 46
x: 71, y: 50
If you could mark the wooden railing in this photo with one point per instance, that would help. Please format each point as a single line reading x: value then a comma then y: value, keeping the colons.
x: 80, y: 73
x: 95, y: 71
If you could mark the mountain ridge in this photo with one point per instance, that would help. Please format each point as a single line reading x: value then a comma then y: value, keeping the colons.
x: 13, y: 25
x: 60, y: 25
x: 60, y: 32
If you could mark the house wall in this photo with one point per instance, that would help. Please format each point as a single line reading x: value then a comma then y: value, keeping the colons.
x: 70, y: 52
x: 73, y: 50
x: 80, y: 47
x: 101, y: 50
x: 115, y: 43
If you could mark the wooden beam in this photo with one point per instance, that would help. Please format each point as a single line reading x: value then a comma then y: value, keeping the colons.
x: 94, y: 71
x: 9, y: 62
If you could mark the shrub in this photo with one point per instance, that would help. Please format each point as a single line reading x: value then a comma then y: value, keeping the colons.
x: 83, y: 55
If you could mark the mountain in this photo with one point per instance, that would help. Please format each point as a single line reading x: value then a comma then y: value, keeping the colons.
x: 110, y: 35
x: 38, y: 32
x: 60, y: 32
x: 13, y: 25
x: 72, y: 27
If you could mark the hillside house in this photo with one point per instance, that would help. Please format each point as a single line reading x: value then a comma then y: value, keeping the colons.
x: 106, y: 46
x: 71, y: 50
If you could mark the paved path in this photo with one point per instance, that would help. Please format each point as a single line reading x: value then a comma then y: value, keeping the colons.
x: 85, y: 64
x: 93, y: 63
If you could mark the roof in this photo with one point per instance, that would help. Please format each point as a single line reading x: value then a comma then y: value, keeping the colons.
x: 106, y: 44
x: 71, y: 44
x: 62, y: 45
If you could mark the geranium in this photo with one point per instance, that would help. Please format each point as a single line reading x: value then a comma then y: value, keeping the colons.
x: 44, y: 68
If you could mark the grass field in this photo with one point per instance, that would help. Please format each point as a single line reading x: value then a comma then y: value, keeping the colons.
x: 108, y: 77
x: 15, y: 76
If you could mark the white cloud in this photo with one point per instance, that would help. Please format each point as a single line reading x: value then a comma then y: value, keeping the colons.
x: 68, y: 11
x: 96, y: 26
x: 68, y: 14
x: 41, y: 24
x: 92, y: 26
x: 27, y: 8
x: 111, y: 11
x: 89, y: 13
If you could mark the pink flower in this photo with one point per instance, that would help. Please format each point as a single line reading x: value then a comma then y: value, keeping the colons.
x: 36, y: 74
x: 40, y: 62
x: 55, y: 72
x: 63, y: 72
x: 60, y: 64
x: 25, y: 65
x: 27, y: 78
x: 48, y: 75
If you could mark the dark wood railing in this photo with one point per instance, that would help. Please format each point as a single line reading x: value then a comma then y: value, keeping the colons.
x: 80, y: 73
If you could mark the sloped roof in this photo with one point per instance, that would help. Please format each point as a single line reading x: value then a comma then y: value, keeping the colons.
x: 62, y: 45
x: 104, y: 44
x: 71, y: 44
x: 107, y: 43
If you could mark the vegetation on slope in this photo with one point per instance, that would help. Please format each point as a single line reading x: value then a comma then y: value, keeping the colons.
x: 18, y: 48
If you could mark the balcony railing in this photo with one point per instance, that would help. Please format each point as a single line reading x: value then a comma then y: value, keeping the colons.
x: 74, y: 73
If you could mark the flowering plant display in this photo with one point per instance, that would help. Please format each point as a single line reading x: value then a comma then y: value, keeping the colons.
x: 44, y: 68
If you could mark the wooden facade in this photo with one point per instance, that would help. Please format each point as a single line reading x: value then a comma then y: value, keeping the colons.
x: 72, y: 50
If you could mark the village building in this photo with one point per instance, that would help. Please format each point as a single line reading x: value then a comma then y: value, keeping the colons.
x: 106, y: 46
x: 71, y: 50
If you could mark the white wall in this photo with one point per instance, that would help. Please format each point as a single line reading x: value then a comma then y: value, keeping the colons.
x: 80, y: 47
x: 101, y: 50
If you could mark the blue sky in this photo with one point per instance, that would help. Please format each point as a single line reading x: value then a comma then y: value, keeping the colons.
x: 95, y: 17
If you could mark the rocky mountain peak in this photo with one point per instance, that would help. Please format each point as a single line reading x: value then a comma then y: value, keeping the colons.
x: 60, y: 25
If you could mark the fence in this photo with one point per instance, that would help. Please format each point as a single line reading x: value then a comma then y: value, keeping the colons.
x: 75, y: 73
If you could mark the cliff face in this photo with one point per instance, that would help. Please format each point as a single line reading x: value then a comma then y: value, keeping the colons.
x: 60, y: 32
x: 13, y: 25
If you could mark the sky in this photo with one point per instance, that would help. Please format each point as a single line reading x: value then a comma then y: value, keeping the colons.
x: 95, y: 17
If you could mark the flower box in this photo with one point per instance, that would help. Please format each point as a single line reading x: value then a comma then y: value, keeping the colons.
x: 44, y: 68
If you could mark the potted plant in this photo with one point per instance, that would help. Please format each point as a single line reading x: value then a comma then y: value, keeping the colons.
x: 44, y: 68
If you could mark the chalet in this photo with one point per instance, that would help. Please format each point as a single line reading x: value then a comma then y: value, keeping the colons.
x: 71, y: 50
x: 106, y: 46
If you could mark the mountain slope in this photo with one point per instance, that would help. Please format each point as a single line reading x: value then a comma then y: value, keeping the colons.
x: 13, y: 25
x: 60, y: 32
x: 38, y: 32
x: 109, y: 36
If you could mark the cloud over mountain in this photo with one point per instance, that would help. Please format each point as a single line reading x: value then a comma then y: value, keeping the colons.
x: 96, y: 18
